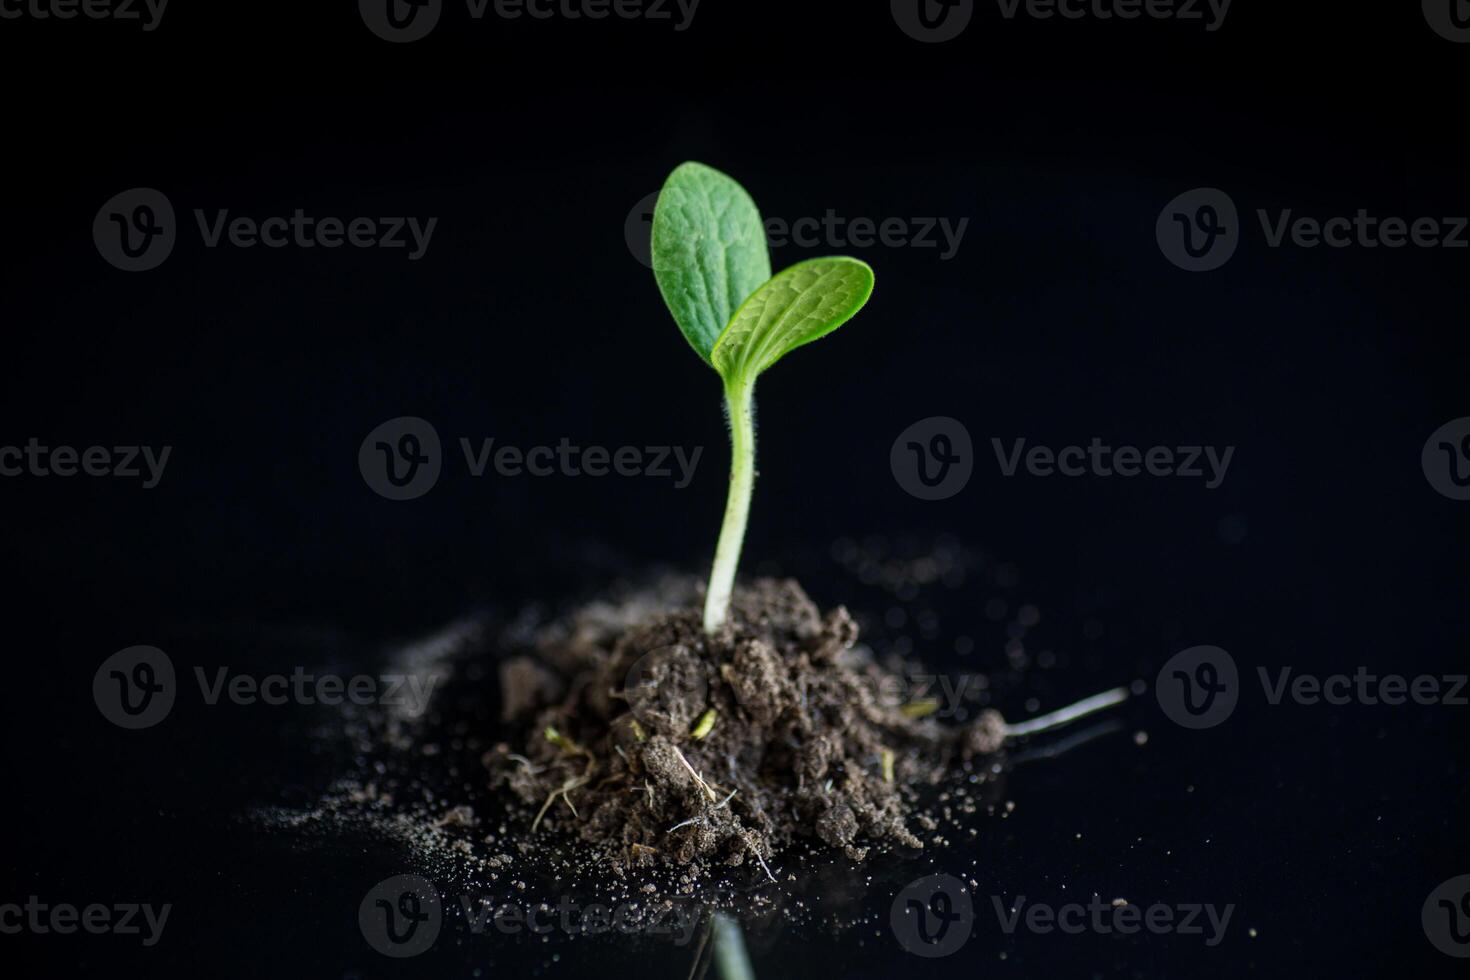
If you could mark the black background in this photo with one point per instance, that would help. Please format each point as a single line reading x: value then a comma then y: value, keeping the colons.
x: 528, y: 320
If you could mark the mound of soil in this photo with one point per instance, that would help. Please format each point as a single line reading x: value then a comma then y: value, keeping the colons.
x: 659, y: 744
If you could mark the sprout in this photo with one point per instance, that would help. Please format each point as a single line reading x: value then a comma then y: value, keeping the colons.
x: 711, y: 263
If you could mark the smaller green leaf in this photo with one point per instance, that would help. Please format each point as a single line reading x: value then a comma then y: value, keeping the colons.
x: 709, y: 251
x: 801, y: 304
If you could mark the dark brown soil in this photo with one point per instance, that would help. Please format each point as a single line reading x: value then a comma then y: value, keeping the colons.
x: 610, y: 742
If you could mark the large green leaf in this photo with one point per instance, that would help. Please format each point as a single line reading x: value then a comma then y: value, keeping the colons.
x: 805, y: 302
x: 709, y: 251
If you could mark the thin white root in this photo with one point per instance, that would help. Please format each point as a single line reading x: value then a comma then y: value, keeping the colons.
x: 693, y: 820
x: 1069, y: 714
x: 697, y: 777
x: 761, y: 860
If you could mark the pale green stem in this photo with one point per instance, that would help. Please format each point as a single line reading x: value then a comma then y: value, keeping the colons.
x: 731, y: 959
x: 739, y: 405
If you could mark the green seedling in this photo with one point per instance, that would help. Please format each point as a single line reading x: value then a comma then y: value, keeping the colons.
x: 713, y: 268
x: 705, y: 724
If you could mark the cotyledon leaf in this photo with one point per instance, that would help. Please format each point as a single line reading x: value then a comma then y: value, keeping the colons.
x: 709, y: 251
x: 807, y: 301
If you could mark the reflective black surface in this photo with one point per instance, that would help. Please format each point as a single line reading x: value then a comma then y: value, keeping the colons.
x: 1057, y: 319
